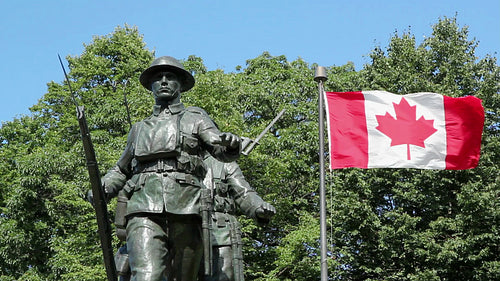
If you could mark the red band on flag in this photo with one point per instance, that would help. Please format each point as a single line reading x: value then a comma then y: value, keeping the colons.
x: 464, y: 126
x: 347, y: 112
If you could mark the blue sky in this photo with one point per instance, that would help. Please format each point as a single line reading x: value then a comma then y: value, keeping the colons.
x: 224, y: 33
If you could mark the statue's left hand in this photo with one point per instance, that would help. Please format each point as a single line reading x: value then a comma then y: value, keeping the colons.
x: 265, y: 211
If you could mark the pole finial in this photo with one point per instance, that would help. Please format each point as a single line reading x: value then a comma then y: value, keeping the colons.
x: 320, y: 74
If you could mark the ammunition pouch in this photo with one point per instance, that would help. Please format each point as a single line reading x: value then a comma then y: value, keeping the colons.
x: 120, y: 219
x: 223, y: 203
x: 190, y: 144
x: 121, y: 261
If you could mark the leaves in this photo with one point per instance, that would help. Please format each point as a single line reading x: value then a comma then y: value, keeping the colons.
x: 383, y: 224
x: 48, y: 228
x: 423, y: 225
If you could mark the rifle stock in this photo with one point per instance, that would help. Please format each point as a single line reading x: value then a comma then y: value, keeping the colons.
x: 99, y: 197
x: 100, y: 204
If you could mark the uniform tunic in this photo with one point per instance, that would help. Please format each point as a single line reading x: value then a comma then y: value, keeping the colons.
x: 161, y: 172
x: 161, y: 169
x: 233, y: 195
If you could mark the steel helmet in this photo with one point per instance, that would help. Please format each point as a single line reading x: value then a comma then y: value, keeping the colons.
x: 167, y: 63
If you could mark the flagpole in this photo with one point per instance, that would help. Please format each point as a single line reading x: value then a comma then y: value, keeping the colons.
x: 320, y: 77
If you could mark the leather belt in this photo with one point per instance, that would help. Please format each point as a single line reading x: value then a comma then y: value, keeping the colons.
x: 160, y: 166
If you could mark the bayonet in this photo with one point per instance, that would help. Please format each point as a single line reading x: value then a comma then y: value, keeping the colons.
x: 249, y: 144
x: 126, y: 103
x: 99, y: 197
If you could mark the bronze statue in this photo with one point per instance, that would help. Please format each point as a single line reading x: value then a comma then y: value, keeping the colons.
x: 161, y: 172
x: 232, y: 195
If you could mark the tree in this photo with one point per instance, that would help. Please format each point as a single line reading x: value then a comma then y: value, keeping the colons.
x: 384, y: 224
x: 405, y: 224
x: 48, y: 229
x: 281, y: 168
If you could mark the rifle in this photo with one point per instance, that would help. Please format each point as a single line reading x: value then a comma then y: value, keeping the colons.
x: 249, y: 144
x: 99, y: 197
x: 126, y: 103
x: 237, y: 249
x: 206, y: 221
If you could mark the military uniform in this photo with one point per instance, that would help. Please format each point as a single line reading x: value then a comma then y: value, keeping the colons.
x: 232, y: 195
x: 161, y: 172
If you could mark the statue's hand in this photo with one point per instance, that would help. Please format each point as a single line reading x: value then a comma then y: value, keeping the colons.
x: 229, y: 140
x: 265, y: 211
x: 90, y: 196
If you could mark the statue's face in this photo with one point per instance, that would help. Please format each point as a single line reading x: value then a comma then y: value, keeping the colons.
x: 165, y: 85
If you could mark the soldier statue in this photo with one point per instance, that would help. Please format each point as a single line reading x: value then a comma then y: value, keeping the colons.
x: 232, y: 195
x: 161, y: 172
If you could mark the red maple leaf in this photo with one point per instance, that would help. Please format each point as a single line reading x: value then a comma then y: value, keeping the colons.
x: 405, y: 129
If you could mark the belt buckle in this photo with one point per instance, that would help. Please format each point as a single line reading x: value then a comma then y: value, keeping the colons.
x: 159, y: 165
x: 165, y: 165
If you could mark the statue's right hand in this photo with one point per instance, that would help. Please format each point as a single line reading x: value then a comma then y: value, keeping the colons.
x: 90, y: 197
x: 265, y: 211
x: 230, y: 140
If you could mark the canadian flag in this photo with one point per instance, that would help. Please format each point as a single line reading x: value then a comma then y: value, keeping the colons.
x: 378, y: 129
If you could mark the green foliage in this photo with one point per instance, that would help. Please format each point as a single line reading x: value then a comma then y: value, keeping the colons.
x: 48, y: 229
x: 383, y: 224
x: 405, y: 224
